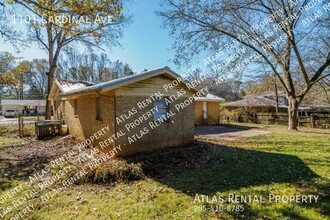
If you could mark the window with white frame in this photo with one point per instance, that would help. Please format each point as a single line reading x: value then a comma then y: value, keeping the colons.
x: 161, y: 109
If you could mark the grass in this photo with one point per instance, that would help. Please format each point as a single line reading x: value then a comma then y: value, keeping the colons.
x: 280, y: 163
x: 6, y: 139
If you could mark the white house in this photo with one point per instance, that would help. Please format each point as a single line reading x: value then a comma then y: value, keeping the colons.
x: 24, y: 106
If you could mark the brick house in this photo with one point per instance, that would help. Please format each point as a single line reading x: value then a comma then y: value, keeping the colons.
x: 142, y: 112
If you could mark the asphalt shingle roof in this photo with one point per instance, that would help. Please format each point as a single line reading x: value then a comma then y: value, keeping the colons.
x: 252, y: 101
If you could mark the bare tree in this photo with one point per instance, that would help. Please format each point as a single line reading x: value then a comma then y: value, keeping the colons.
x: 103, y: 71
x: 7, y: 32
x: 36, y: 78
x: 284, y: 34
x: 91, y: 67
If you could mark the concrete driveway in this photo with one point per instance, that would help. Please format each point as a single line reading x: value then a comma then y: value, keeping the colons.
x: 228, y: 133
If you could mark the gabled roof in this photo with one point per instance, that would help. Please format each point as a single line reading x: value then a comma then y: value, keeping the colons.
x: 24, y: 102
x: 209, y: 98
x: 113, y: 84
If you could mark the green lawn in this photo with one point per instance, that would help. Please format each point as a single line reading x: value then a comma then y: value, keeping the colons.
x: 281, y: 163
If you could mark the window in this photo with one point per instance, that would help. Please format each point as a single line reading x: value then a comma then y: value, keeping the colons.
x: 162, y: 109
x: 99, y: 108
x: 75, y: 106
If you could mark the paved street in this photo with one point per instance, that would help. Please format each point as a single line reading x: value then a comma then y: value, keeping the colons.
x: 14, y: 121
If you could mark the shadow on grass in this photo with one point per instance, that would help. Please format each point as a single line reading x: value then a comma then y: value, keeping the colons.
x: 206, y: 168
x: 18, y: 170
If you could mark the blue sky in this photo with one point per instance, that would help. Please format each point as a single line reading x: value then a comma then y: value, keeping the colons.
x: 145, y: 45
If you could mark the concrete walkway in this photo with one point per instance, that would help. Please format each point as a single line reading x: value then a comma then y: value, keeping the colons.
x: 229, y: 133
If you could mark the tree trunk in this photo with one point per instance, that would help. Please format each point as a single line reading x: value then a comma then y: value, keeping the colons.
x: 21, y: 88
x: 276, y: 96
x: 50, y: 78
x: 293, y: 113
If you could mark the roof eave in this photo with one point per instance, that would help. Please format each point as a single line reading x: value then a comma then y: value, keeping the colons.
x: 209, y: 100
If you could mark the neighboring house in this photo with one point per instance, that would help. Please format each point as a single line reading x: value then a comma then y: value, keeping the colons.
x: 24, y: 106
x: 132, y: 107
x: 207, y: 110
x: 315, y: 106
x: 266, y: 103
x: 254, y: 104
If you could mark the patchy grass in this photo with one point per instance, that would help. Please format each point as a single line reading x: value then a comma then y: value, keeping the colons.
x: 281, y: 163
x: 7, y: 139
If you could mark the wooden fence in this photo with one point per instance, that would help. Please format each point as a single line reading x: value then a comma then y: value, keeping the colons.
x: 315, y: 120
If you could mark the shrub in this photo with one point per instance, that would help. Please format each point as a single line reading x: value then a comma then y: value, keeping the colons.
x: 115, y: 171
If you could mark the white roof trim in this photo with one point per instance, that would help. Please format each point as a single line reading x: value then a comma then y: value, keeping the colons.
x: 209, y: 98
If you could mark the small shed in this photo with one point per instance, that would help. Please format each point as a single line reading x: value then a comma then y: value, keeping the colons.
x: 207, y: 110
